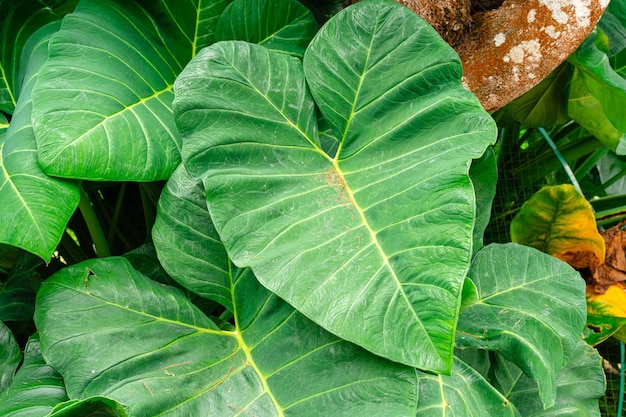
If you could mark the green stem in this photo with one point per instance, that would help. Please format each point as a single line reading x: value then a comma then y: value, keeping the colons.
x: 93, y: 225
x: 116, y: 213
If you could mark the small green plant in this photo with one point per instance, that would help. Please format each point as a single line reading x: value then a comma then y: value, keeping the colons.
x: 319, y: 238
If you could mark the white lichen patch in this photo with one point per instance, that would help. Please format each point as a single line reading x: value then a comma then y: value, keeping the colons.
x: 531, y: 75
x: 499, y: 39
x: 551, y: 31
x: 562, y: 10
x: 531, y: 15
x: 527, y: 51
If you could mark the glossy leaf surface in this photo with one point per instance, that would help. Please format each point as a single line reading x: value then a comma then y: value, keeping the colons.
x: 464, y: 393
x: 108, y: 117
x: 170, y: 359
x: 578, y: 387
x: 36, y: 389
x: 320, y: 230
x: 282, y: 25
x: 36, y: 207
x: 559, y: 221
x: 528, y: 306
x: 17, y: 292
x: 187, y: 244
x: 188, y: 25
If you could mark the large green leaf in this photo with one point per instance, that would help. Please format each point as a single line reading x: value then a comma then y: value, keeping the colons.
x: 18, y: 21
x: 107, y: 117
x: 189, y: 25
x: 35, y: 207
x: 170, y: 359
x: 187, y: 244
x: 282, y: 25
x: 322, y: 231
x: 604, y: 84
x: 579, y: 386
x: 10, y: 356
x: 528, y: 306
x: 36, y: 389
x: 463, y: 394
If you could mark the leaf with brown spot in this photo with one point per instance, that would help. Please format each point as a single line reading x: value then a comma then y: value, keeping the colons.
x: 558, y: 220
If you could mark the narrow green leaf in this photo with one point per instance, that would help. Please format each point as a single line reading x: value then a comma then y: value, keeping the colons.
x: 36, y: 207
x: 530, y: 308
x: 280, y: 25
x: 170, y: 359
x: 36, y: 388
x: 10, y: 356
x: 187, y: 244
x: 108, y: 117
x: 464, y: 393
x: 319, y: 230
x: 612, y: 168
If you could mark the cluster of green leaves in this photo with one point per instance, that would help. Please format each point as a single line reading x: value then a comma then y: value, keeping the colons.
x: 317, y: 247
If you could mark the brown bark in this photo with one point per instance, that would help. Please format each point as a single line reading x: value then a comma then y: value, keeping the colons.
x: 508, y: 50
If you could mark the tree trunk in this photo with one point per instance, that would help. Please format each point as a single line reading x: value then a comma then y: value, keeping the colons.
x: 508, y: 47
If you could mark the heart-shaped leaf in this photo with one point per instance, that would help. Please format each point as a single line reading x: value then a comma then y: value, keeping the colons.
x: 282, y: 25
x: 170, y: 358
x: 559, y: 221
x: 484, y: 176
x: 464, y: 393
x: 36, y: 388
x: 528, y: 306
x: 321, y: 230
x: 36, y: 207
x: 108, y: 117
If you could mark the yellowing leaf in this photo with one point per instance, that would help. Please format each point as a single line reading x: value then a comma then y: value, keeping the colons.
x: 558, y: 220
x: 611, y: 303
x: 606, y: 314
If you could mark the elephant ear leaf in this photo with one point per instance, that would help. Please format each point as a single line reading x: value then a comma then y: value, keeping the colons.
x: 464, y: 393
x: 282, y: 25
x: 108, y: 117
x: 533, y: 319
x: 162, y: 363
x: 321, y: 230
x: 36, y: 207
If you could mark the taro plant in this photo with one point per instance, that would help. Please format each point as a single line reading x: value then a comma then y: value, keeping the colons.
x: 317, y: 247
